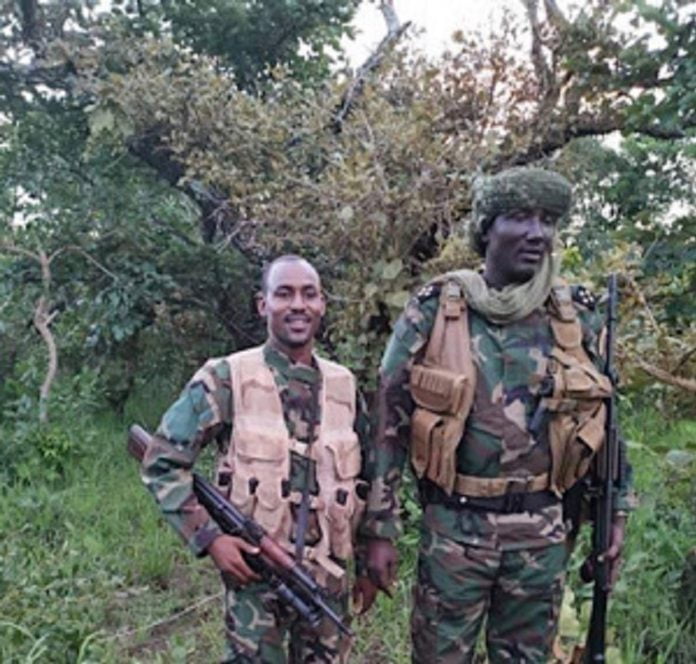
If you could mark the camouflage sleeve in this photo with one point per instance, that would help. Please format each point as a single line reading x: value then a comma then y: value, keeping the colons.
x: 362, y: 429
x: 200, y: 414
x: 391, y: 418
x: 593, y: 320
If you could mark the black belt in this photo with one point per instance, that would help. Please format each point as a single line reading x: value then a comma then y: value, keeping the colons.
x: 510, y: 503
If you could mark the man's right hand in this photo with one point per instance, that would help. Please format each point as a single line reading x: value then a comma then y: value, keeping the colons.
x: 227, y: 554
x: 382, y: 562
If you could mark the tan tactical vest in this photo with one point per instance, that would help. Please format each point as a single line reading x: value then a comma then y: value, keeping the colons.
x: 443, y: 385
x: 258, y: 459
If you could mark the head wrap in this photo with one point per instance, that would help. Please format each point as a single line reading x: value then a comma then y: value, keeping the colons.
x: 520, y: 188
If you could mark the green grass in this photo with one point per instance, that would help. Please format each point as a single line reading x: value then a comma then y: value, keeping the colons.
x: 90, y: 573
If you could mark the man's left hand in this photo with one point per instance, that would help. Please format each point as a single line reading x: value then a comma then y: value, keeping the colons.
x: 364, y: 593
x: 613, y: 555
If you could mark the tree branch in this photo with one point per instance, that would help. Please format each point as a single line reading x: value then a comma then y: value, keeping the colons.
x: 57, y: 76
x: 554, y: 14
x: 685, y: 358
x: 13, y: 249
x: 179, y: 614
x: 218, y: 216
x: 31, y: 25
x: 42, y: 322
x: 665, y: 377
x: 590, y: 126
x: 92, y: 260
x: 543, y: 71
x: 394, y: 31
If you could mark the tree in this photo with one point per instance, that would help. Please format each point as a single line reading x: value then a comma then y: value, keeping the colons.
x: 368, y: 174
x: 66, y: 189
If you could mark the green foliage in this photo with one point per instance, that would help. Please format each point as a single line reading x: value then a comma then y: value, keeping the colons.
x: 378, y: 205
x: 232, y: 104
x: 646, y: 619
x: 89, y: 572
x: 46, y: 450
x: 127, y: 248
x: 635, y: 215
x: 663, y: 530
x: 252, y: 38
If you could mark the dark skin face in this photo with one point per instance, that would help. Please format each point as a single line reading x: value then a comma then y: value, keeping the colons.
x: 516, y: 244
x: 293, y: 306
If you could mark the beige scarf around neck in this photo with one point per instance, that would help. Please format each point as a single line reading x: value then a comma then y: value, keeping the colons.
x: 513, y: 302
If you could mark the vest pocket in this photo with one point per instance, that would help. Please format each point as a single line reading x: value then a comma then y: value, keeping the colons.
x: 341, y: 533
x: 437, y: 390
x: 426, y: 427
x: 576, y: 429
x: 434, y: 442
x: 260, y: 464
x: 578, y: 380
x: 343, y: 504
x: 346, y: 455
x: 576, y: 444
x: 271, y: 511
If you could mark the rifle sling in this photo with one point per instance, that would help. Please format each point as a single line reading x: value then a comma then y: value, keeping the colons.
x: 303, y: 514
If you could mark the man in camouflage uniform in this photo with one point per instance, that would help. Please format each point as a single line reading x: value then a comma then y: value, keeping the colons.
x: 267, y: 479
x: 493, y: 539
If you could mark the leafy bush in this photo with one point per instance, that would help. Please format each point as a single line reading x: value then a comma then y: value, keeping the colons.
x: 46, y: 451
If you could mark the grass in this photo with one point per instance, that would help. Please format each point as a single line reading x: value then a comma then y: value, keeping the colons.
x: 90, y: 573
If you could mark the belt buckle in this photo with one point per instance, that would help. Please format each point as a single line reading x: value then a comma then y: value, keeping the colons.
x: 517, y: 488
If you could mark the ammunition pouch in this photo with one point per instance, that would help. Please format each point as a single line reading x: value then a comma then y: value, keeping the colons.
x: 436, y: 424
x: 442, y: 388
x: 578, y: 414
x: 434, y: 442
x: 437, y: 389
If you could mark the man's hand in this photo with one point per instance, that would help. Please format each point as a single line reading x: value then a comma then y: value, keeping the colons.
x: 382, y: 562
x: 613, y: 554
x: 364, y: 593
x: 226, y: 552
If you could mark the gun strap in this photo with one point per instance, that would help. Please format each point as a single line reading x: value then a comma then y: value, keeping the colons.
x: 303, y: 514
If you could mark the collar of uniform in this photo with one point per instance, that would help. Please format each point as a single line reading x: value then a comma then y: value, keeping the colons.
x: 288, y: 369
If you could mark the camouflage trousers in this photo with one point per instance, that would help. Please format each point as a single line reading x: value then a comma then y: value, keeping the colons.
x: 260, y: 630
x: 518, y: 593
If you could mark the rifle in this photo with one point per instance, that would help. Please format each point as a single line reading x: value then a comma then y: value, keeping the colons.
x: 609, y: 468
x: 292, y: 583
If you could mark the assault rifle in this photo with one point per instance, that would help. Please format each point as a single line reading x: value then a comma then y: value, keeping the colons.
x: 609, y: 468
x: 292, y: 583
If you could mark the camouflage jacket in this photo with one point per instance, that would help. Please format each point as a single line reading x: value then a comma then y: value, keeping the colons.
x: 203, y: 413
x: 506, y: 357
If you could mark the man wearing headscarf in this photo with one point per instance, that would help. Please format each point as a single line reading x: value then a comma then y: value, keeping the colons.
x: 460, y: 393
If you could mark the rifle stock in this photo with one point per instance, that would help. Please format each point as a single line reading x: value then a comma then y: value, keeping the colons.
x: 293, y: 584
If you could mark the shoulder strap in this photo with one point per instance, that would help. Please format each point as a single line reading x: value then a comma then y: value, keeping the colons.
x: 567, y: 332
x: 450, y: 342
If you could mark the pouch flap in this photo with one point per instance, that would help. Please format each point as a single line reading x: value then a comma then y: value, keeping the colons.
x: 567, y: 334
x: 423, y: 422
x: 268, y: 494
x: 347, y: 455
x: 579, y: 380
x: 438, y: 390
x: 591, y: 432
x: 260, y: 444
